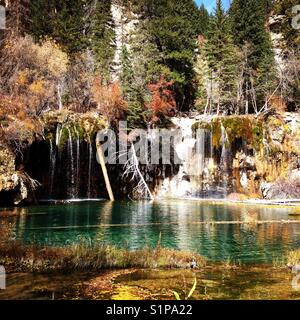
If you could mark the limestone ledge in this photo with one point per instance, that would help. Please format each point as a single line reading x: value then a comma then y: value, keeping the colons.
x: 16, y: 186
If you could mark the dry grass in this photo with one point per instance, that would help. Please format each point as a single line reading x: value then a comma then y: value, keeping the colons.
x: 293, y: 258
x: 83, y: 256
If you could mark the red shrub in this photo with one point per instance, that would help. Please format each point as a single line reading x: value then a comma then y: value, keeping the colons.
x: 163, y: 101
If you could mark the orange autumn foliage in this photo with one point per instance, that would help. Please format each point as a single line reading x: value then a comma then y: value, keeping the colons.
x: 163, y: 100
x: 277, y: 103
x: 109, y: 99
x: 17, y: 123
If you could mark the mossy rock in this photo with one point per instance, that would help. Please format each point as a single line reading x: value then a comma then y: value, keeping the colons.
x: 79, y: 126
x: 202, y: 125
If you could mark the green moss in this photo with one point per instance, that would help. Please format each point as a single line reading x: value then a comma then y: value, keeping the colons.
x: 81, y: 126
x: 258, y: 135
x: 238, y: 127
x: 216, y: 132
x: 201, y: 125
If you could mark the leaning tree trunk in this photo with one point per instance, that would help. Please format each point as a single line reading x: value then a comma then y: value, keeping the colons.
x: 104, y: 169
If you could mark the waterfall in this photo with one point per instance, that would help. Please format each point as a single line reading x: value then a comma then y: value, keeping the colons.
x: 77, y: 161
x: 71, y: 162
x: 52, y: 166
x: 198, y: 173
x: 204, y: 164
x: 90, y: 147
x: 58, y: 134
x: 195, y: 151
x: 224, y: 161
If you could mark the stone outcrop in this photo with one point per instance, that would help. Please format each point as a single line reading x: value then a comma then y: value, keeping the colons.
x: 235, y: 157
x: 254, y: 157
x: 20, y: 179
x: 15, y: 186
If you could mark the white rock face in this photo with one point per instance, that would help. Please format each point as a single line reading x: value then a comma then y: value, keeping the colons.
x: 124, y: 24
x: 193, y: 162
x: 244, y: 180
x: 278, y: 42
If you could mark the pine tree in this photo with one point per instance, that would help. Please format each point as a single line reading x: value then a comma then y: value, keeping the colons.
x: 62, y: 20
x: 100, y: 32
x: 147, y: 60
x: 203, y: 20
x: 133, y: 94
x: 248, y: 20
x: 221, y: 56
x: 173, y: 26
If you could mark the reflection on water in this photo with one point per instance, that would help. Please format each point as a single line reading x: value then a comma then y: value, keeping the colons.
x: 137, y: 224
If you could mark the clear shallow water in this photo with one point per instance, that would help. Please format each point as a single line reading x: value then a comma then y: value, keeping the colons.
x: 250, y: 283
x: 137, y: 224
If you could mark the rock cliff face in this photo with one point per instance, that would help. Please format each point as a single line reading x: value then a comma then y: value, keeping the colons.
x: 125, y: 23
x: 238, y: 157
x: 15, y: 185
x: 57, y: 165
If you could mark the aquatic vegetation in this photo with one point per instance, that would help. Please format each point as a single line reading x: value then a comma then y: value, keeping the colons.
x: 84, y: 256
x: 189, y: 295
x: 293, y: 258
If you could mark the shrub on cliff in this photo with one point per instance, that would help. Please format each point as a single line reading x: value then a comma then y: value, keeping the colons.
x: 32, y: 73
x: 109, y: 99
x: 31, y: 78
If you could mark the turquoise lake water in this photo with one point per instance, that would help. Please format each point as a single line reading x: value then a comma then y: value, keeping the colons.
x: 138, y: 224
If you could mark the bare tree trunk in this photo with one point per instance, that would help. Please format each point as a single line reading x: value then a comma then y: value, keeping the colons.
x: 206, y: 106
x: 104, y: 170
x: 132, y: 168
x: 136, y: 163
x: 59, y: 94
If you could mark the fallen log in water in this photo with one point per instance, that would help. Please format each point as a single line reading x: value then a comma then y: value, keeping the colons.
x: 212, y: 223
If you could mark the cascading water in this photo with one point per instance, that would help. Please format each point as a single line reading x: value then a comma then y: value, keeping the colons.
x: 224, y: 161
x: 204, y: 166
x: 52, y: 166
x: 71, y: 165
x: 90, y: 152
x: 58, y: 134
x: 195, y: 151
x: 77, y: 161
